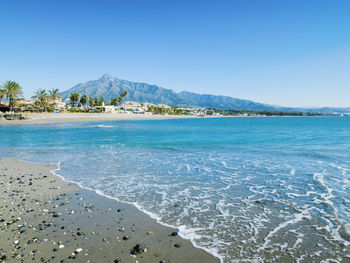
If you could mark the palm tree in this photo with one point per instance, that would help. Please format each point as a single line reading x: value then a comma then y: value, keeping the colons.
x: 54, y: 94
x: 100, y: 101
x: 84, y: 99
x: 41, y: 96
x: 12, y: 92
x: 92, y: 101
x: 96, y: 101
x: 74, y: 97
x: 2, y: 93
x: 114, y: 101
x: 122, y: 95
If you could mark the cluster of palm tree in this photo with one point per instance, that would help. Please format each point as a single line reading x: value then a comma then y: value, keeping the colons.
x: 42, y: 96
x: 11, y: 90
x: 75, y: 98
x: 115, y: 101
x: 83, y: 100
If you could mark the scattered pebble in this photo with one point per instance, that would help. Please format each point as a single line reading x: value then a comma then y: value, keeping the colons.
x: 77, y: 251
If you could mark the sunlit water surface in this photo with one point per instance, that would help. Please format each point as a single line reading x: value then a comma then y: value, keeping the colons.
x: 245, y: 189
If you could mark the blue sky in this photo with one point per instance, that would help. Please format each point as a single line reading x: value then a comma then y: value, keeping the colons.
x: 285, y: 52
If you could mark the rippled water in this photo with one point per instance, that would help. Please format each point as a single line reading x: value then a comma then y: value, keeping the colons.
x: 245, y: 189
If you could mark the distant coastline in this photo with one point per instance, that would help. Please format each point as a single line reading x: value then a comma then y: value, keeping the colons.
x: 52, y: 118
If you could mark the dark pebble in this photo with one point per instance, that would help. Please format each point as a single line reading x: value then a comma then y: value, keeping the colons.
x: 136, y: 249
x: 174, y: 234
x: 177, y: 245
x: 125, y: 238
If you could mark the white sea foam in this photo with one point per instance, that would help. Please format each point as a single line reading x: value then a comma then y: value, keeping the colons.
x: 184, y: 232
x: 102, y: 126
x: 218, y: 199
x: 347, y: 229
x: 297, y: 218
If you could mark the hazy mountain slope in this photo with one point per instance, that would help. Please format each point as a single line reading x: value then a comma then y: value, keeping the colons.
x: 108, y: 87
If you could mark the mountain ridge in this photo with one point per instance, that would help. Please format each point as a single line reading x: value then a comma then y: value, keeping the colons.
x: 109, y: 86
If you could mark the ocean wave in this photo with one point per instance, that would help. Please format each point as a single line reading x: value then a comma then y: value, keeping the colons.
x: 102, y: 126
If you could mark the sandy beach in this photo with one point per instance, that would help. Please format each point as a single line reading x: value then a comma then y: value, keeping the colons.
x: 46, y: 219
x: 47, y: 118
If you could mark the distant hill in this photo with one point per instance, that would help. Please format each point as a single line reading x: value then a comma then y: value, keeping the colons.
x: 108, y: 87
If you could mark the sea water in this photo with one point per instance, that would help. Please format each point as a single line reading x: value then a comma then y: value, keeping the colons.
x: 244, y: 189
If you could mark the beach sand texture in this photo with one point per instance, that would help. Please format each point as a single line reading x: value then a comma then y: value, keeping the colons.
x: 46, y: 219
x: 47, y: 118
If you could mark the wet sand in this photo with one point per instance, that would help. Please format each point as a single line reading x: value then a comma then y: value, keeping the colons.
x: 46, y: 219
x: 47, y: 118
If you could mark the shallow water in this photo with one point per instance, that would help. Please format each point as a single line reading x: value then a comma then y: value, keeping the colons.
x: 246, y: 189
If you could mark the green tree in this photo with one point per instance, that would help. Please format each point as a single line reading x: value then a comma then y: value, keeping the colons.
x: 122, y: 95
x: 100, y: 101
x: 12, y: 92
x: 41, y: 96
x: 54, y: 94
x: 92, y: 101
x: 84, y: 99
x: 74, y: 98
x: 2, y: 93
x: 96, y: 101
x: 114, y: 101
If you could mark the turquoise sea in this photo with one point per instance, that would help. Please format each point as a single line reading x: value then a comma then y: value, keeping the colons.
x: 245, y: 189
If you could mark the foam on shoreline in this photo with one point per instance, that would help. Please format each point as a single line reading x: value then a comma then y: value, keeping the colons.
x: 118, y: 215
x: 183, y: 231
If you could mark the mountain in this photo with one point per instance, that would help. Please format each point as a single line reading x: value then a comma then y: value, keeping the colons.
x: 108, y: 87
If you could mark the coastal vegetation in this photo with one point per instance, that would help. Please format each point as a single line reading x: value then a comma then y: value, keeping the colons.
x: 41, y: 96
x: 2, y: 93
x: 12, y: 91
x: 74, y: 98
x: 54, y: 93
x: 49, y: 101
x: 83, y: 100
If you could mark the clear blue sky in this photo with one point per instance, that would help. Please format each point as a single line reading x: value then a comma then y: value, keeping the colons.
x: 284, y: 52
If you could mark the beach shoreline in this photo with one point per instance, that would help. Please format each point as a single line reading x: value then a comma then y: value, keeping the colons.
x: 44, y: 218
x: 52, y: 118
